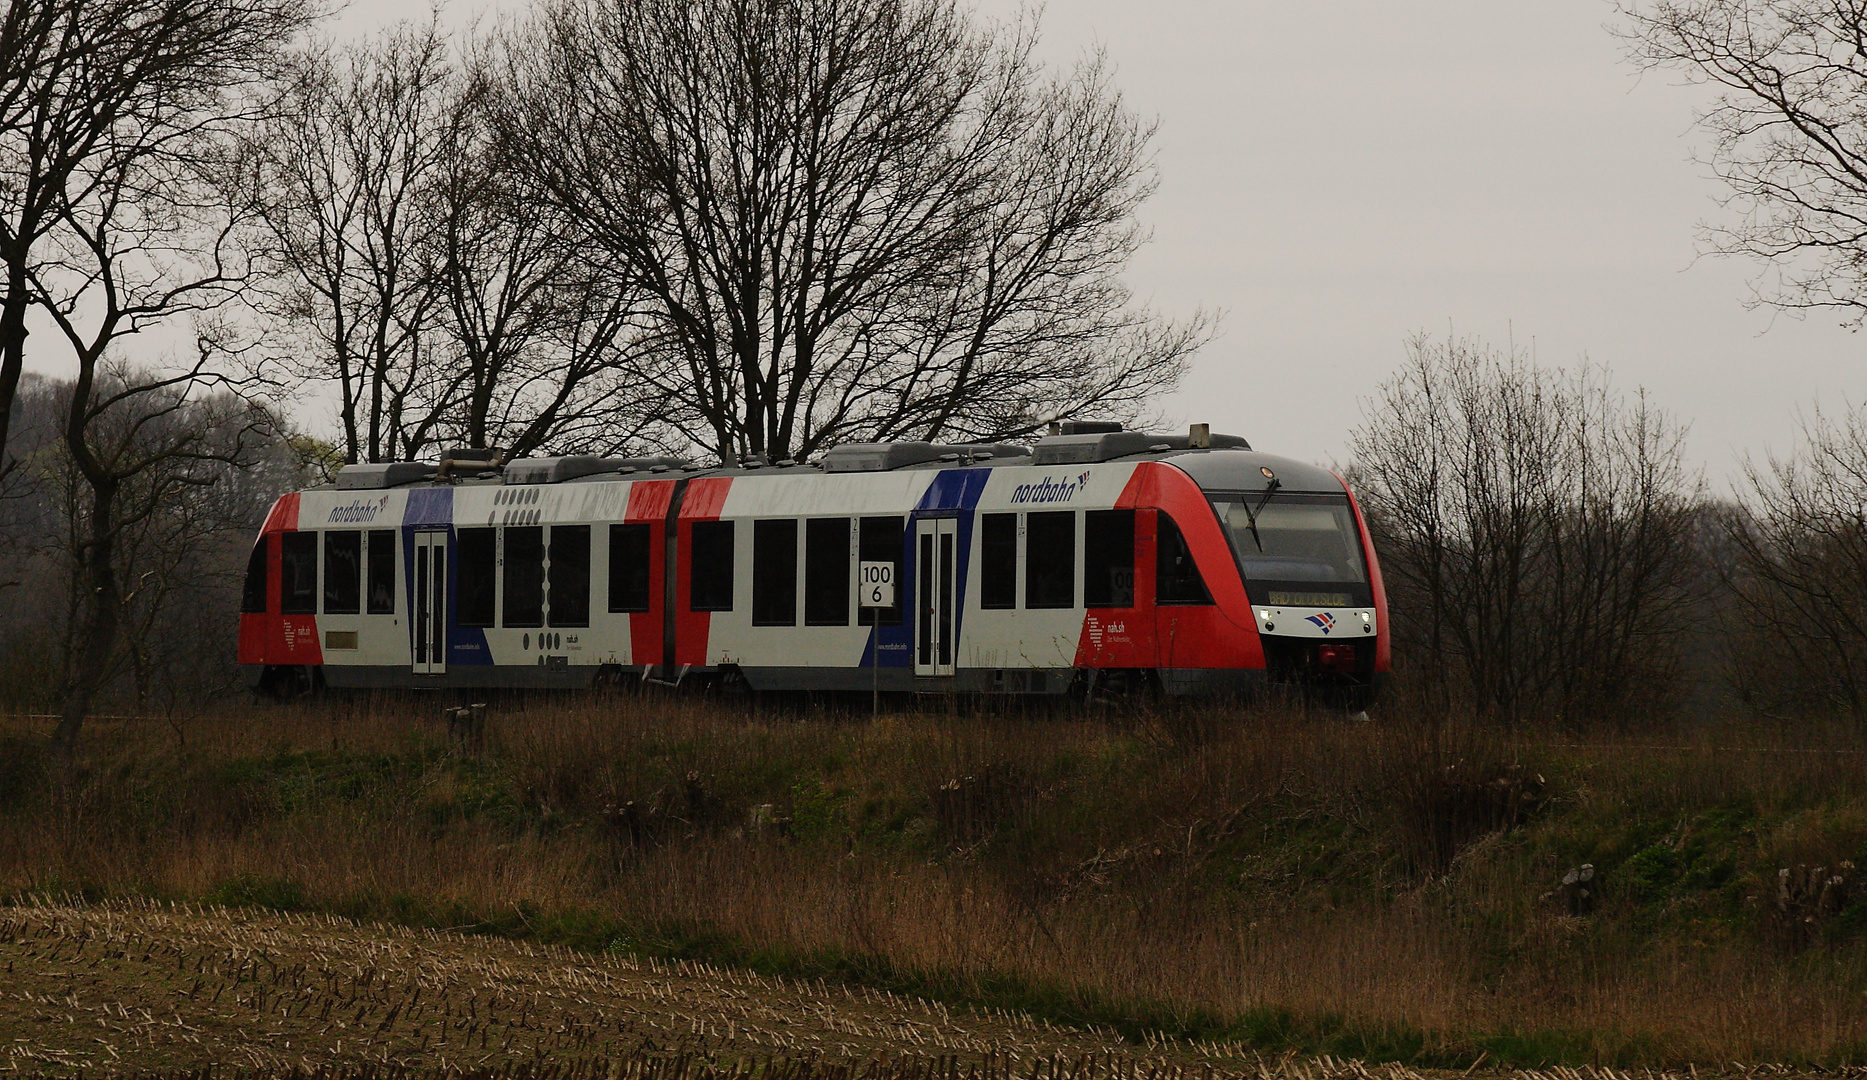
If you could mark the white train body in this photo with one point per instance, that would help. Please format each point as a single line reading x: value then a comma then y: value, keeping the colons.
x: 1013, y: 573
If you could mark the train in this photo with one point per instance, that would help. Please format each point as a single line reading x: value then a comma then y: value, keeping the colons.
x: 1098, y: 561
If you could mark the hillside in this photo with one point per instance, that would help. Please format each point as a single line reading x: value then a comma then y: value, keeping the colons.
x: 1390, y: 891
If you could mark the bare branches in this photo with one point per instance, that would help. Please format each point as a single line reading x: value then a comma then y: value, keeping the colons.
x: 101, y: 101
x: 429, y: 283
x: 114, y: 148
x: 846, y: 221
x: 348, y: 174
x: 1800, y: 571
x: 1789, y: 133
x: 1536, y: 529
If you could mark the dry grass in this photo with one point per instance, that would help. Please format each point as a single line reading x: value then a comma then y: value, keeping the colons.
x: 1274, y: 880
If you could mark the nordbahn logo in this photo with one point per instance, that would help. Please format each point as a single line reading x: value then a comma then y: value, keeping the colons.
x: 359, y: 511
x: 1050, y: 489
x: 1325, y: 620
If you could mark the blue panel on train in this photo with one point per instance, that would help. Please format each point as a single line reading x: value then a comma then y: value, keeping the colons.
x: 429, y: 506
x: 953, y: 493
x: 954, y: 489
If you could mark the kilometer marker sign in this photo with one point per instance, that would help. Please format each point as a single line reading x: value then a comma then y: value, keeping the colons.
x: 875, y: 588
x: 876, y: 584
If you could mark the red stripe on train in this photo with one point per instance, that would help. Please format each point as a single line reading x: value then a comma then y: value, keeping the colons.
x: 703, y: 502
x: 273, y: 638
x: 648, y: 505
x: 1217, y: 635
x: 1383, y: 644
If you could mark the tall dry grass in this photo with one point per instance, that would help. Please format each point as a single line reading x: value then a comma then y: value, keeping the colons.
x: 1388, y: 888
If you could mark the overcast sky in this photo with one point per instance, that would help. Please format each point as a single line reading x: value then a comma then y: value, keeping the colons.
x: 1336, y: 175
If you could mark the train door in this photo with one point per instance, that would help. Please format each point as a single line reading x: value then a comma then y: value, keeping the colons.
x: 429, y: 612
x: 935, y: 571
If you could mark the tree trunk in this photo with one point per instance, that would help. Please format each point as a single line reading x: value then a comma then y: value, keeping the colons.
x: 12, y: 349
x: 102, y: 615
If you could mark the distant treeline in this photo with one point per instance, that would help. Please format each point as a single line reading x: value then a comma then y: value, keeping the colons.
x: 1551, y: 557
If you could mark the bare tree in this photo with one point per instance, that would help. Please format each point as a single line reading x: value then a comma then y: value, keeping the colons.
x: 351, y: 168
x: 1800, y: 571
x: 441, y: 297
x: 180, y: 552
x: 1789, y: 133
x: 139, y: 239
x: 848, y: 220
x: 542, y: 331
x: 1535, y: 527
x: 183, y: 525
x: 75, y: 77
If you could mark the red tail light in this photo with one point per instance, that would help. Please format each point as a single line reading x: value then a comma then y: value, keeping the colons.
x: 1336, y: 659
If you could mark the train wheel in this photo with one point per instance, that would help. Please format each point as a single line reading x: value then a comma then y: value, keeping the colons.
x: 286, y: 683
x: 1125, y: 689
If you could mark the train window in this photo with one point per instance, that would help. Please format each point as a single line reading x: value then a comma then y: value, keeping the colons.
x: 878, y: 539
x: 525, y: 576
x: 253, y: 596
x: 998, y: 561
x: 1304, y: 540
x: 382, y: 572
x: 628, y: 567
x: 1050, y: 559
x: 826, y: 572
x: 298, y: 573
x: 710, y: 575
x: 343, y: 572
x: 1108, y: 558
x: 570, y: 575
x: 476, y: 565
x: 1176, y: 575
x: 774, y: 573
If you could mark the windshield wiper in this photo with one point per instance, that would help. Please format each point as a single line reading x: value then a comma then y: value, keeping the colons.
x: 1251, y: 515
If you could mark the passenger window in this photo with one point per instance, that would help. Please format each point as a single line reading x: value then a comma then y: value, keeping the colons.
x: 525, y: 576
x: 878, y: 539
x: 298, y: 573
x: 382, y: 572
x: 253, y: 596
x: 570, y: 575
x: 1108, y: 558
x: 1176, y: 575
x: 1050, y: 560
x: 710, y: 577
x: 628, y: 567
x: 826, y: 572
x: 998, y: 561
x: 774, y: 573
x: 476, y: 562
x: 343, y: 572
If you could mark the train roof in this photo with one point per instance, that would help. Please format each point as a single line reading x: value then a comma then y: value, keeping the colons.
x: 1216, y: 462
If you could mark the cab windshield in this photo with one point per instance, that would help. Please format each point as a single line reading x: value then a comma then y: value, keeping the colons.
x: 1296, y: 550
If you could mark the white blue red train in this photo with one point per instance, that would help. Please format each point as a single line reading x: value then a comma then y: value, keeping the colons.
x: 1097, y: 560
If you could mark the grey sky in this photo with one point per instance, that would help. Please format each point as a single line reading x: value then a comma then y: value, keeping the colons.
x: 1336, y: 175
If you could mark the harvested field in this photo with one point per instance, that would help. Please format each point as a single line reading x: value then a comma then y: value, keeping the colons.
x: 156, y: 986
x: 156, y: 989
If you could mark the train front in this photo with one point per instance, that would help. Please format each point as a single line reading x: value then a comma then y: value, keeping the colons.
x: 1299, y: 541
